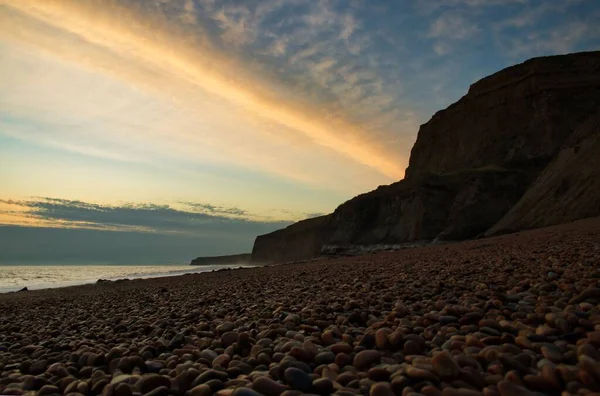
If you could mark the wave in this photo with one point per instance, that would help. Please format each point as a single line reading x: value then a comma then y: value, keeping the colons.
x: 13, y: 278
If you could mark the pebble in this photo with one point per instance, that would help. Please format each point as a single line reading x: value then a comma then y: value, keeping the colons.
x: 460, y: 392
x: 243, y: 391
x: 222, y: 360
x: 420, y: 374
x: 444, y: 366
x: 48, y: 390
x: 552, y: 354
x: 229, y: 338
x: 365, y: 359
x: 323, y: 386
x: 412, y: 348
x: 123, y: 389
x: 509, y: 388
x: 381, y: 389
x: 448, y: 320
x: 381, y: 338
x: 324, y: 358
x: 225, y: 327
x: 150, y: 382
x: 268, y: 387
x: 341, y: 348
x: 201, y: 390
x: 298, y: 379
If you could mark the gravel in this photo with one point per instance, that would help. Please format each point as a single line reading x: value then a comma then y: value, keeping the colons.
x: 511, y: 315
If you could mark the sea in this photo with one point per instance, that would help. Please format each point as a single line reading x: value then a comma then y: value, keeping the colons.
x: 33, y: 277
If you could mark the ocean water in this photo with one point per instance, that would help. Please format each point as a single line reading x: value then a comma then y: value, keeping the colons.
x: 15, y: 277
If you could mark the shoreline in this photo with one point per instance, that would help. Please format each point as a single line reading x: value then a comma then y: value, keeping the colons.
x: 325, y: 259
x: 506, y: 315
x: 167, y: 272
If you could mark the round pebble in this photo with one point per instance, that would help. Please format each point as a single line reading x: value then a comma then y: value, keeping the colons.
x: 486, y: 316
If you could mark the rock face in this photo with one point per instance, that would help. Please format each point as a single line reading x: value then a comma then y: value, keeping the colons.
x: 568, y: 189
x: 517, y: 117
x: 520, y: 150
x: 451, y: 207
x: 245, y: 258
x: 298, y: 241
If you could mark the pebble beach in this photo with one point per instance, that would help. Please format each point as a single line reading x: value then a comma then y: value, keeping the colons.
x: 512, y: 315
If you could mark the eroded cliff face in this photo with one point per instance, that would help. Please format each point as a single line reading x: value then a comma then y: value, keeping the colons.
x: 515, y: 118
x: 567, y: 190
x: 298, y: 241
x: 447, y: 207
x: 520, y: 150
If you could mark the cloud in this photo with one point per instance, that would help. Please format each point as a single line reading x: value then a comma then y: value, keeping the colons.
x: 518, y: 29
x: 531, y: 14
x: 217, y: 210
x: 43, y: 230
x: 236, y: 27
x: 449, y: 28
x: 547, y: 28
x: 431, y: 6
x: 550, y: 42
x: 188, y: 14
x: 314, y: 43
x: 324, y: 94
x: 191, y: 219
x: 452, y: 26
x: 199, y: 68
x: 348, y: 27
x: 311, y: 215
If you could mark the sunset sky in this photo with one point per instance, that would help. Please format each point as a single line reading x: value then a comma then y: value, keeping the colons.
x: 161, y: 130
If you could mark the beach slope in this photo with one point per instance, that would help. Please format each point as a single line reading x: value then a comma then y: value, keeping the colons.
x: 506, y: 315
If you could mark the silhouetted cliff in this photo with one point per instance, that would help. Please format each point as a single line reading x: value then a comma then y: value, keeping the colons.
x: 520, y: 150
x: 568, y: 189
x: 298, y: 241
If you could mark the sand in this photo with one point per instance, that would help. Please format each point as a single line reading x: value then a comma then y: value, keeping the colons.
x: 511, y: 315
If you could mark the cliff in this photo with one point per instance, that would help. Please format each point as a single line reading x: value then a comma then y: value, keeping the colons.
x: 447, y: 207
x: 519, y: 150
x: 297, y: 241
x: 512, y: 118
x: 245, y: 258
x: 568, y: 189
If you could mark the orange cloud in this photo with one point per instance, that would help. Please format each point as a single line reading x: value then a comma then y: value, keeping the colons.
x: 146, y: 51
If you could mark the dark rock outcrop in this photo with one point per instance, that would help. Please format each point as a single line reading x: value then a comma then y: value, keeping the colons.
x: 520, y: 150
x: 516, y: 117
x: 298, y: 241
x: 568, y: 189
x: 245, y: 258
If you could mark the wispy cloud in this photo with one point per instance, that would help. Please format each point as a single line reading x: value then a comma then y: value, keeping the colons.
x: 300, y: 100
x: 190, y: 219
x: 430, y: 6
x: 451, y: 27
x: 552, y: 41
x: 546, y: 28
x: 314, y: 47
x: 190, y: 68
x: 217, y: 210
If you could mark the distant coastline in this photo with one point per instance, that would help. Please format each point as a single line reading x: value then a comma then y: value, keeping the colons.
x: 244, y: 258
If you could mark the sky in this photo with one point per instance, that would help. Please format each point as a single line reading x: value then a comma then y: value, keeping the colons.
x: 155, y: 131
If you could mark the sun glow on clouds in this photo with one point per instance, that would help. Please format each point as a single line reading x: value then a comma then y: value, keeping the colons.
x: 187, y: 100
x: 281, y: 107
x: 185, y: 218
